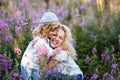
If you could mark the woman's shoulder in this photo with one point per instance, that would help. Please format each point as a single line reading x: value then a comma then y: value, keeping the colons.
x: 64, y: 53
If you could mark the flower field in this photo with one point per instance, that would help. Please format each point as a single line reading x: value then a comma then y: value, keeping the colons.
x: 94, y: 24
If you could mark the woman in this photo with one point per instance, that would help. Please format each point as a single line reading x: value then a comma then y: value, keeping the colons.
x: 66, y: 68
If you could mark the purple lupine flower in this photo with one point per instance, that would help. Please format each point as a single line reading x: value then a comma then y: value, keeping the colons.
x: 103, y: 55
x: 71, y: 26
x: 2, y: 13
x: 114, y: 66
x: 4, y: 1
x: 96, y: 22
x: 65, y: 13
x: 11, y: 5
x: 94, y: 50
x: 1, y: 32
x: 10, y: 64
x: 111, y: 77
x: 110, y: 20
x: 3, y: 78
x: 5, y: 63
x: 35, y: 22
x: 3, y: 23
x: 92, y: 35
x: 62, y: 12
x: 94, y: 77
x: 107, y: 59
x: 82, y: 24
x: 113, y: 71
x: 112, y: 49
x: 92, y: 1
x: 8, y: 38
x: 106, y: 51
x: 18, y: 14
x: 32, y: 27
x: 15, y: 74
x: 23, y: 21
x: 18, y: 29
x: 25, y: 2
x: 119, y: 42
x: 76, y: 13
x: 74, y: 42
x: 106, y: 75
x: 88, y: 58
x: 82, y: 7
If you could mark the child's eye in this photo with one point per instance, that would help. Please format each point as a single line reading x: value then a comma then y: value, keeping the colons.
x: 53, y: 34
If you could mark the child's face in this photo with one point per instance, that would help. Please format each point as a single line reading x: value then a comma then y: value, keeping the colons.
x: 57, y: 37
x: 52, y: 33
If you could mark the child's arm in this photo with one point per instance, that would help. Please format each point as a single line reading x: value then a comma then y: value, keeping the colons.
x: 40, y: 45
x: 53, y: 53
x: 56, y: 51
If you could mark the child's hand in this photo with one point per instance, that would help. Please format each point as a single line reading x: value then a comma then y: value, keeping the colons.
x: 56, y: 51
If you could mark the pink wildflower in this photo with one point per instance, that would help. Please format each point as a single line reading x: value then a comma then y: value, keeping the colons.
x: 42, y: 50
x: 18, y: 14
x: 17, y: 51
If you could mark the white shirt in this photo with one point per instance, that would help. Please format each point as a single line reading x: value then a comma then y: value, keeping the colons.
x: 68, y: 65
x: 30, y: 57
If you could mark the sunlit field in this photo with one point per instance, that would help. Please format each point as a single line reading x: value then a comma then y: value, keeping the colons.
x: 95, y: 28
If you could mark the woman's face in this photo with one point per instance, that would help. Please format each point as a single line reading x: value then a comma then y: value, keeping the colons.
x: 57, y: 37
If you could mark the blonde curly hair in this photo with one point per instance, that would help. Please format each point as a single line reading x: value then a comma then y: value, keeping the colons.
x: 67, y: 44
x: 42, y: 30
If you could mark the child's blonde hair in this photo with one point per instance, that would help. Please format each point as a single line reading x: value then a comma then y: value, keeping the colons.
x: 42, y: 30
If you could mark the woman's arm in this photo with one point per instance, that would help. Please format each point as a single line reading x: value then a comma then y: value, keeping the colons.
x: 59, y: 58
x: 52, y: 63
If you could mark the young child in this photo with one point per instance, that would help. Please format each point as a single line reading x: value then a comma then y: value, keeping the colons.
x: 38, y: 47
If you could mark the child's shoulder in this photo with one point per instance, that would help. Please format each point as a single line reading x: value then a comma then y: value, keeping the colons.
x: 39, y: 40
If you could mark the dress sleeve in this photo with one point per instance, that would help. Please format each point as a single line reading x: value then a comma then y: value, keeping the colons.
x: 62, y: 56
